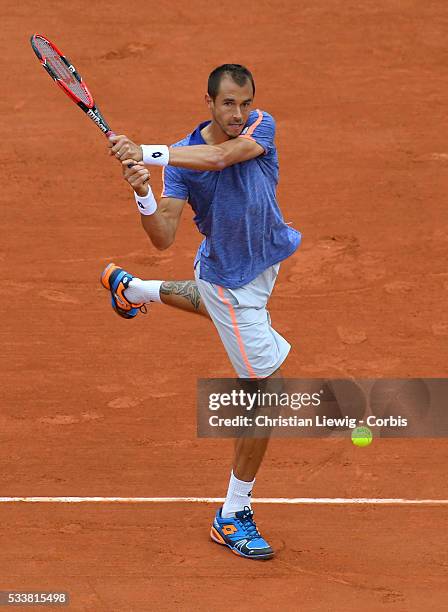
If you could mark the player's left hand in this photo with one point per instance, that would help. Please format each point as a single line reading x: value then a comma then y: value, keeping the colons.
x: 123, y: 148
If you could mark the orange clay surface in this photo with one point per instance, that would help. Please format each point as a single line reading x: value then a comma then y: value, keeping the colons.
x: 92, y: 405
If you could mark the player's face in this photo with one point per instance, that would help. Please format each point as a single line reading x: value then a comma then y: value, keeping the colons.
x: 232, y: 106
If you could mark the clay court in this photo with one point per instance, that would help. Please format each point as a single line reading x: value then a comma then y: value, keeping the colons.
x: 97, y: 406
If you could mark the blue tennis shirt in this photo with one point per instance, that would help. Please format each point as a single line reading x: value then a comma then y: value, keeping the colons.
x: 236, y: 209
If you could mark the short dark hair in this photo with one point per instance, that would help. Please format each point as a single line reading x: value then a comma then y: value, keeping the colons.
x: 240, y: 74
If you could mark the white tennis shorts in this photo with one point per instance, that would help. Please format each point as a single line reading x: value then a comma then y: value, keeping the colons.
x: 240, y: 315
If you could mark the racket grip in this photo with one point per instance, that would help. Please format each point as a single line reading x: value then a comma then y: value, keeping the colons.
x: 110, y: 133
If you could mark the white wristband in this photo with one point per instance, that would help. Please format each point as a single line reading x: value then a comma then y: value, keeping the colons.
x: 146, y: 205
x: 156, y: 155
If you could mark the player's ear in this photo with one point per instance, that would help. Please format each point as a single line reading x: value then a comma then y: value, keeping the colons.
x: 208, y: 101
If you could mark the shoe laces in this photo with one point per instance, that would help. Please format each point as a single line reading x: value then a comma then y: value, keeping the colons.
x: 245, y: 519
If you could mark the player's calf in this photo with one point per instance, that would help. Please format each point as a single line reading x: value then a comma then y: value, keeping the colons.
x: 129, y: 294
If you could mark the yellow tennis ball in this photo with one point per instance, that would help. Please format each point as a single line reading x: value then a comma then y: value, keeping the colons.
x: 362, y: 436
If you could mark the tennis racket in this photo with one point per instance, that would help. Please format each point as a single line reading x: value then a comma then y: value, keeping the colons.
x: 65, y: 75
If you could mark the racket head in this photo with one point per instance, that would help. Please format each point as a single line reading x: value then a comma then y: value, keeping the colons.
x: 61, y: 70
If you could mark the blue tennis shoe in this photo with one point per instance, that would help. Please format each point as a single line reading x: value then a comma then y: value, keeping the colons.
x: 117, y: 280
x: 241, y: 535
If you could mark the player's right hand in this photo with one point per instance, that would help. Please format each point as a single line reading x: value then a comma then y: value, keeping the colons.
x: 137, y: 175
x: 123, y: 148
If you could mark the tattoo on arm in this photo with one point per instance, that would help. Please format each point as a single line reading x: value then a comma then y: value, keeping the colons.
x: 186, y: 289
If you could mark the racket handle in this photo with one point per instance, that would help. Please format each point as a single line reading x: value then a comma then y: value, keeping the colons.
x: 110, y: 133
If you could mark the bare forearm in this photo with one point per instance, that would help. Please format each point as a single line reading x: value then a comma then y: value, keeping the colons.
x: 195, y: 157
x: 159, y: 230
x: 198, y: 157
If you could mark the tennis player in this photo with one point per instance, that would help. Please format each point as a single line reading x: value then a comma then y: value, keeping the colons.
x: 227, y: 170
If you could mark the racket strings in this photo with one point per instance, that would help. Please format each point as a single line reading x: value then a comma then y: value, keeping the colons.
x: 61, y: 70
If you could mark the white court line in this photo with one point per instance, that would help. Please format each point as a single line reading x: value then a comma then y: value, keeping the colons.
x: 212, y: 500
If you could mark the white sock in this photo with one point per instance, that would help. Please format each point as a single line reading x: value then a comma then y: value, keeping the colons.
x: 143, y: 291
x: 238, y: 496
